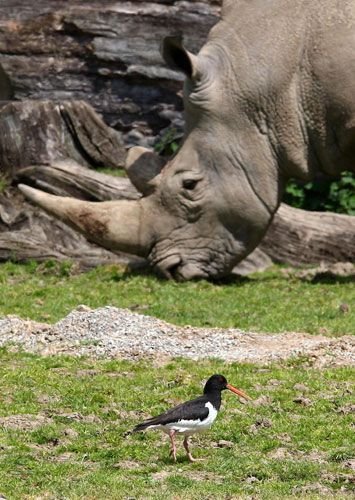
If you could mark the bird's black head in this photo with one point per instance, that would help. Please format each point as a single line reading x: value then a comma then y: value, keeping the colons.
x: 215, y: 383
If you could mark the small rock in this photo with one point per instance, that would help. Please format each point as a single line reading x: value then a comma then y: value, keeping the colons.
x: 46, y: 399
x: 127, y: 465
x: 261, y: 401
x: 301, y: 388
x: 280, y: 454
x: 275, y: 382
x: 344, y: 308
x: 252, y: 479
x: 65, y: 457
x: 285, y: 438
x: 338, y: 477
x: 89, y: 372
x: 350, y: 464
x: 135, y: 136
x: 346, y: 409
x: 262, y: 423
x: 302, y: 401
x: 71, y: 433
x: 316, y: 456
x: 317, y: 488
x: 222, y: 443
x: 160, y: 476
x: 76, y: 416
x: 82, y: 308
x: 138, y: 307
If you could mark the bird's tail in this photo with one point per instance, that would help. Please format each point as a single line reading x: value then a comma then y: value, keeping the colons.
x: 137, y: 428
x: 145, y: 425
x: 141, y: 427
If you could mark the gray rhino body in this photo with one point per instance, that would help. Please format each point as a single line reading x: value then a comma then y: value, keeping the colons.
x: 270, y: 96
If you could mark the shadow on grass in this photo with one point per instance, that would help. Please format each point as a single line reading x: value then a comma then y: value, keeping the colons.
x: 169, y: 462
x: 330, y: 279
x: 147, y: 271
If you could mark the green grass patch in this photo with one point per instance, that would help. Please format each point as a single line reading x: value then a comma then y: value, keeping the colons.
x: 3, y: 183
x: 116, y: 172
x: 268, y: 302
x: 63, y: 423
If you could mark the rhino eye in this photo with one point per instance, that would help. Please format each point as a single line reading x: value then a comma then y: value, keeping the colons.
x: 189, y: 184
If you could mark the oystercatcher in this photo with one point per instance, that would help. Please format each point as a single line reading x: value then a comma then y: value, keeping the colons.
x: 193, y: 416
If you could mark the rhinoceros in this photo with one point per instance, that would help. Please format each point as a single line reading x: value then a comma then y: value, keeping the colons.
x: 270, y: 96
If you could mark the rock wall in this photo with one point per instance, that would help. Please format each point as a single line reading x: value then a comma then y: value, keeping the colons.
x: 103, y: 52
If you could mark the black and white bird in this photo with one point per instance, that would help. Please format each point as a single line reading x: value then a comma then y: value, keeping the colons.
x: 193, y: 416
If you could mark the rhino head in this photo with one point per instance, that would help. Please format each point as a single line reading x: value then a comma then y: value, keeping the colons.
x: 210, y: 205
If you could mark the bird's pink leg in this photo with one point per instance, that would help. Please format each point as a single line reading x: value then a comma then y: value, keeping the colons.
x: 189, y: 456
x: 173, y: 445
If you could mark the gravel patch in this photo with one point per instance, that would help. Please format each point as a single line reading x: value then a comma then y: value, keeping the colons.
x: 118, y: 333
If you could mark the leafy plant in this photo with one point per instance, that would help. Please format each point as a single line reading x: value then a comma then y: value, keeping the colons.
x: 323, y: 194
x: 169, y: 142
x: 3, y: 183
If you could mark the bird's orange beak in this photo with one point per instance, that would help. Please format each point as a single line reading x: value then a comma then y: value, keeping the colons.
x: 238, y: 392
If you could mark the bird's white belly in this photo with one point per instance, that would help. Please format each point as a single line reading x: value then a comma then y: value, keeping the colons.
x: 192, y: 426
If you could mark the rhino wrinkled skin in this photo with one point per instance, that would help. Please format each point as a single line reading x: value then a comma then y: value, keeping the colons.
x: 271, y: 95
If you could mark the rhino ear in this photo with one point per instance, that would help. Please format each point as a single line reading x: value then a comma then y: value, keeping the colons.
x: 142, y: 167
x: 177, y: 57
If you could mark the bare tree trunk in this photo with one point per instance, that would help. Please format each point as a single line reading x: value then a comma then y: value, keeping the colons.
x: 41, y: 132
x: 41, y: 143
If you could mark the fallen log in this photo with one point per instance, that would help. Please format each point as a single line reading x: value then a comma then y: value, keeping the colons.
x: 68, y: 178
x: 295, y: 236
x: 299, y: 237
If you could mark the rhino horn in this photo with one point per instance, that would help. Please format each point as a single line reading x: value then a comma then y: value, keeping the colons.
x: 115, y: 225
x: 142, y: 167
x: 177, y: 57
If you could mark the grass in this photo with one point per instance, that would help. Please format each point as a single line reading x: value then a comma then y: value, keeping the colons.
x: 271, y: 301
x: 63, y: 420
x: 116, y: 172
x: 3, y: 183
x: 279, y: 448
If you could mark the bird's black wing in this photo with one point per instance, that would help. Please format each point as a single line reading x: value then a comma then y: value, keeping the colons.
x: 191, y: 410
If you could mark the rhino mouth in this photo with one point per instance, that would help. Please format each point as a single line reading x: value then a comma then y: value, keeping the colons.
x: 174, y: 267
x: 167, y: 267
